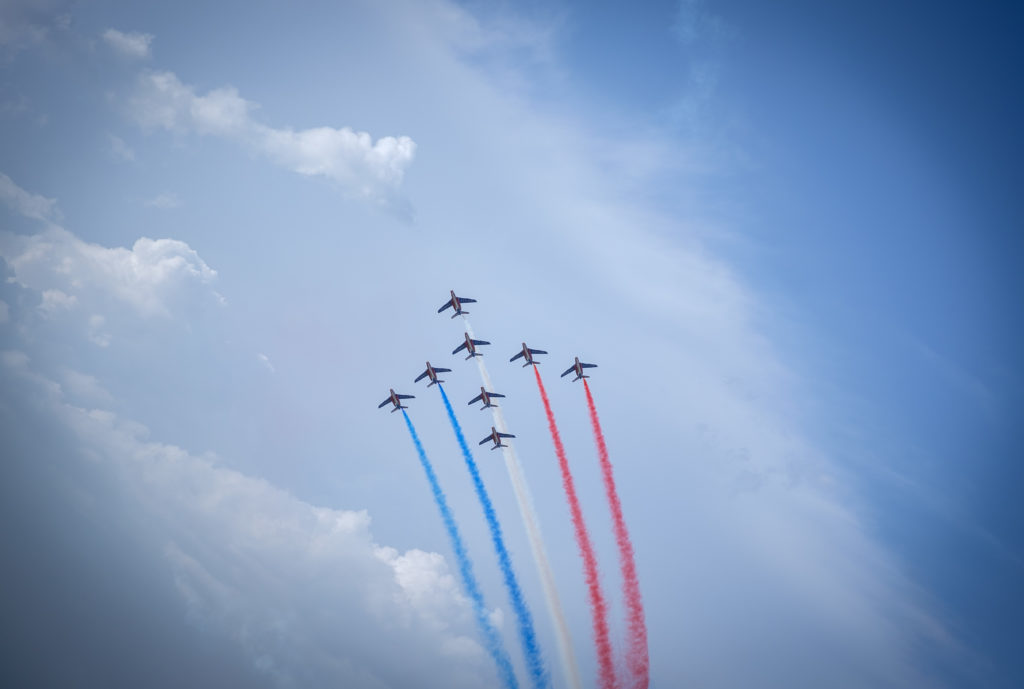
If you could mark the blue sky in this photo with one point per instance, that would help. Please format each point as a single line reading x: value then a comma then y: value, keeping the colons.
x: 789, y: 236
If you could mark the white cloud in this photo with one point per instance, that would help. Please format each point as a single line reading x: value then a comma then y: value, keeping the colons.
x: 304, y: 590
x: 164, y: 201
x: 82, y: 386
x: 120, y: 150
x: 54, y: 300
x: 95, y: 332
x: 360, y: 166
x: 30, y: 205
x: 265, y: 360
x: 133, y: 44
x: 147, y: 278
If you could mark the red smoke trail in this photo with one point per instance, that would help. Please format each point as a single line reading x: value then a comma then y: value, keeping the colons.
x: 598, y: 608
x: 636, y: 654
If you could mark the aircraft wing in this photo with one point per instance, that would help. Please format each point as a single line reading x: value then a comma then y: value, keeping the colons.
x: 480, y: 342
x: 505, y: 435
x: 518, y: 354
x: 495, y: 394
x: 422, y: 376
x: 384, y: 402
x: 568, y: 371
x: 442, y: 370
x: 405, y: 397
x: 476, y: 399
x: 487, y: 439
x: 447, y: 304
x: 467, y: 300
x: 459, y: 348
x: 588, y: 365
x: 537, y: 351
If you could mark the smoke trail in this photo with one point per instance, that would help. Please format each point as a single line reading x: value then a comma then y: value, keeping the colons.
x: 533, y: 533
x: 637, y: 659
x: 598, y: 608
x: 491, y: 639
x: 534, y: 663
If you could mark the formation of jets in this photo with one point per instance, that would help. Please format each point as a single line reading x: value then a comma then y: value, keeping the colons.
x: 485, y: 396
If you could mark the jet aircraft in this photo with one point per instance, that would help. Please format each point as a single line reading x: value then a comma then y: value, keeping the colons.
x: 456, y: 303
x: 528, y: 354
x: 395, y: 399
x: 495, y: 438
x: 470, y: 346
x: 485, y: 397
x: 578, y: 367
x: 432, y: 373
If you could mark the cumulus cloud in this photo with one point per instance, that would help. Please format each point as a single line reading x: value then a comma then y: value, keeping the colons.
x: 25, y: 203
x: 133, y: 44
x: 54, y: 300
x: 305, y: 590
x: 359, y: 165
x: 66, y: 270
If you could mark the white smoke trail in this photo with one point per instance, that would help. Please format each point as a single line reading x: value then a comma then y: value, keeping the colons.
x: 529, y: 516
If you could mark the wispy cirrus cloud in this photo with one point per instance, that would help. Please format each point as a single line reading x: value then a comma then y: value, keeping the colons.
x: 27, y: 22
x: 362, y: 167
x: 133, y: 44
x: 164, y: 201
x: 120, y: 149
x: 26, y: 203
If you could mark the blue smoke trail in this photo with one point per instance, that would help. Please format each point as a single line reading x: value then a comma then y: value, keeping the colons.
x: 538, y: 673
x: 491, y: 638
